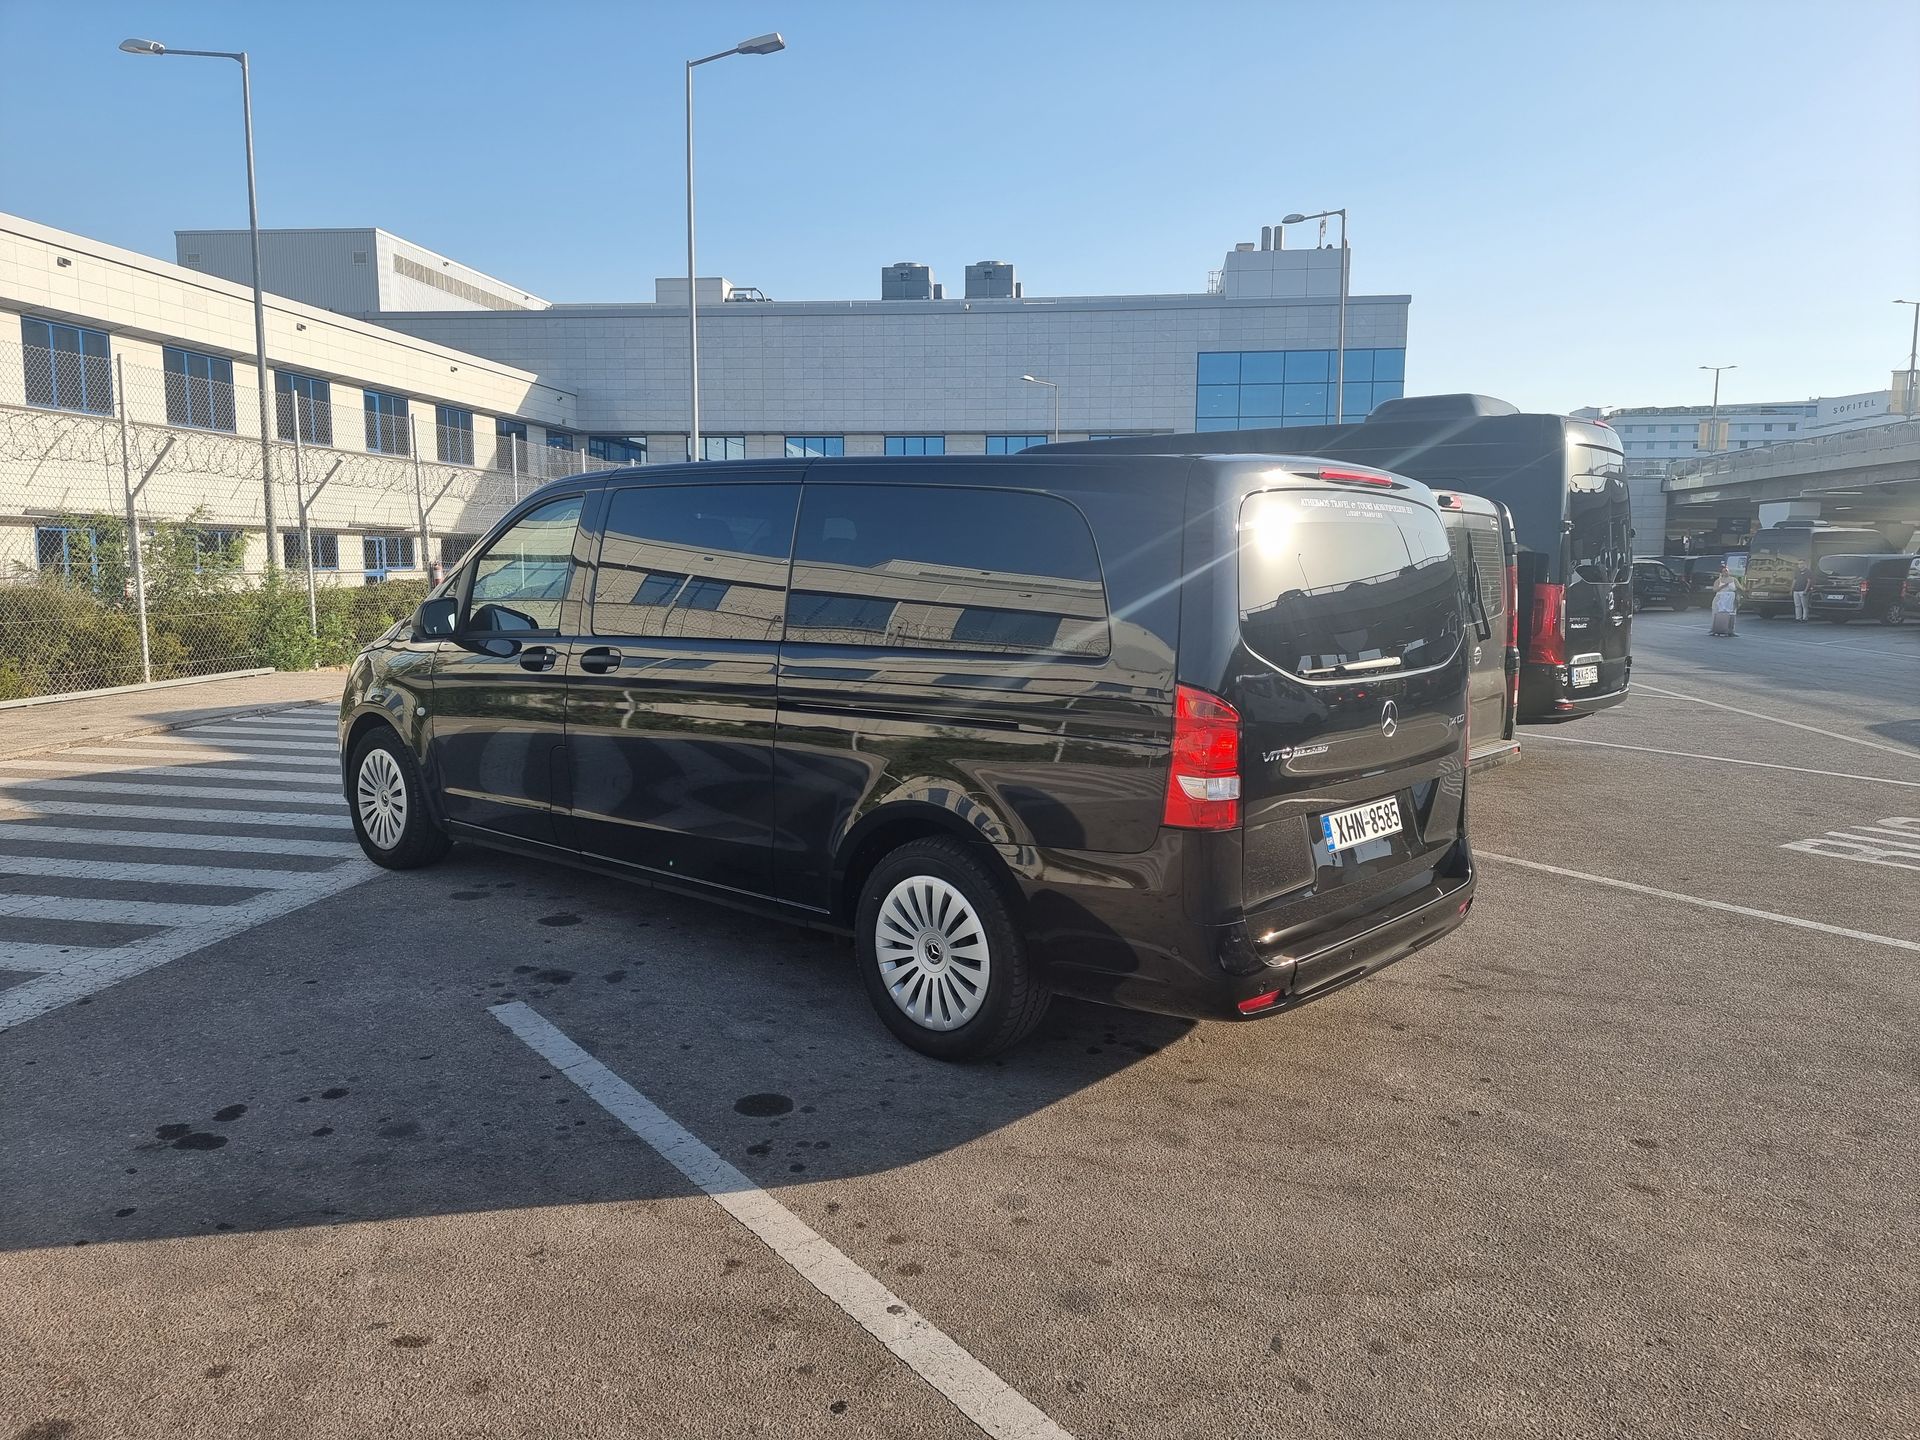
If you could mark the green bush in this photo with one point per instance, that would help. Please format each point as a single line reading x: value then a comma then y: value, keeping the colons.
x: 203, y: 615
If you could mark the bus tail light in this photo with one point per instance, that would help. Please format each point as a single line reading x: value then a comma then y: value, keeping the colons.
x: 1203, y: 781
x: 1547, y: 642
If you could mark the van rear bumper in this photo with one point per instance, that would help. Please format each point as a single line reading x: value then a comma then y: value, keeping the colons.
x: 1137, y: 950
x: 1547, y: 692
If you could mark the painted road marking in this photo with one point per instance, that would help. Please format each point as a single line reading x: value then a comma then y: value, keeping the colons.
x: 186, y: 772
x: 1904, y: 754
x: 78, y: 868
x: 19, y: 805
x: 1725, y: 760
x: 1793, y: 920
x: 33, y: 833
x: 224, y: 740
x: 1894, y: 842
x: 135, y: 789
x: 172, y: 754
x: 979, y: 1394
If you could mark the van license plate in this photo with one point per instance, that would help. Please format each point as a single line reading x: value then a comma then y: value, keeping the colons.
x: 1585, y: 675
x: 1833, y: 597
x: 1345, y: 829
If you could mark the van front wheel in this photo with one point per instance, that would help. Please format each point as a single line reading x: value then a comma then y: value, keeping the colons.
x: 940, y: 955
x: 388, y: 797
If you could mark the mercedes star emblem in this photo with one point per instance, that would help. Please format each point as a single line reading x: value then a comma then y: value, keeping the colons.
x: 1389, y: 719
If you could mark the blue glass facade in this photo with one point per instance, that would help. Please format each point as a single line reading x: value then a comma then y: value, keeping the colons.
x: 1262, y: 389
x: 800, y: 447
x: 1012, y: 444
x: 916, y: 444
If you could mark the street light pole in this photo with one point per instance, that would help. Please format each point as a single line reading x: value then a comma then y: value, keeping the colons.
x: 1713, y: 415
x: 1055, y: 388
x: 1913, y: 354
x: 261, y: 384
x: 1340, y: 360
x: 759, y: 45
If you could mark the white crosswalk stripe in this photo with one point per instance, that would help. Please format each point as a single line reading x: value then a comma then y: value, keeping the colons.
x: 123, y: 855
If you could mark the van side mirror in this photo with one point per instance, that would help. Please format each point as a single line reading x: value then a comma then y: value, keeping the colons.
x: 436, y: 618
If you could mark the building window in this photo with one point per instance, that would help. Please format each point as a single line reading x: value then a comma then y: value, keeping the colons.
x: 618, y: 449
x: 1012, y: 444
x: 916, y: 444
x: 802, y: 447
x: 68, y: 551
x: 510, y: 445
x: 453, y: 434
x: 215, y: 547
x: 387, y: 429
x: 308, y: 399
x: 380, y: 555
x: 1264, y: 389
x: 560, y: 440
x: 199, y: 389
x: 67, y: 368
x: 723, y: 447
x: 326, y: 550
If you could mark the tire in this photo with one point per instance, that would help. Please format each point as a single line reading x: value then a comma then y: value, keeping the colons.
x: 387, y: 797
x: 1894, y: 614
x: 943, y: 919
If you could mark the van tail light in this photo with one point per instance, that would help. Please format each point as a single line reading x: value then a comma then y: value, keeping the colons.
x: 1359, y: 477
x: 1254, y: 1004
x: 1547, y: 644
x: 1513, y: 606
x: 1513, y: 650
x: 1203, y: 781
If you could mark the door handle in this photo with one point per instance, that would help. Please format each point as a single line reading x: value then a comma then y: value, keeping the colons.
x: 600, y: 659
x: 538, y: 657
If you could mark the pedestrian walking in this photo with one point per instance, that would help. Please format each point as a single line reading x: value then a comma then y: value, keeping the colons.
x: 1802, y: 581
x: 1726, y: 602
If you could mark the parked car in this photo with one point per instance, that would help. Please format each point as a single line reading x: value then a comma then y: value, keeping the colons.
x: 1848, y: 587
x: 1655, y: 585
x: 1185, y: 734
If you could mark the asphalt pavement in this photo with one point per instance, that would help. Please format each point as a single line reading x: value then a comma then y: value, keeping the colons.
x: 499, y: 1149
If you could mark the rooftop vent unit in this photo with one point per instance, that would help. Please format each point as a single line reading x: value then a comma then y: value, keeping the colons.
x: 907, y: 280
x: 991, y: 280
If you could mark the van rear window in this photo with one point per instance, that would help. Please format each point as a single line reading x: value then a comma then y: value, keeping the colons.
x: 1334, y: 585
x: 1846, y: 565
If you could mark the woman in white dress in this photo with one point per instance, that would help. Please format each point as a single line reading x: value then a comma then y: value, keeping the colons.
x: 1726, y: 601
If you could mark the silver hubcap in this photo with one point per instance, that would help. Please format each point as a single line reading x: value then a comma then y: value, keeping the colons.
x: 933, y: 953
x: 383, y: 799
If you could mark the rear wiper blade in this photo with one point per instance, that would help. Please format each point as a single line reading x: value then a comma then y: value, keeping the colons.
x: 1351, y: 667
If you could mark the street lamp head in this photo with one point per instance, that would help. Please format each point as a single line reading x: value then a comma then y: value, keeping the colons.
x: 143, y: 47
x: 1293, y: 219
x: 762, y: 44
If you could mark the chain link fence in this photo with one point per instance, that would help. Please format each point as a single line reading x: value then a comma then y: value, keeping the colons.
x: 146, y: 533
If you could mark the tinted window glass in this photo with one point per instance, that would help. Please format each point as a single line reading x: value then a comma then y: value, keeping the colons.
x: 697, y: 560
x: 1846, y: 565
x: 1599, y: 545
x: 519, y: 582
x: 1334, y: 584
x: 927, y: 567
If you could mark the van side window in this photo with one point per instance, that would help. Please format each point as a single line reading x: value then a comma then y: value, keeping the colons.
x: 520, y: 581
x: 924, y: 567
x: 697, y: 560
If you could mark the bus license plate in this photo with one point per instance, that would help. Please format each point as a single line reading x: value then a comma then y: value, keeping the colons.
x: 1345, y: 829
x: 1585, y: 675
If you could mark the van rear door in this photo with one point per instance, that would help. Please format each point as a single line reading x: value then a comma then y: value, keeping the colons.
x: 1351, y: 685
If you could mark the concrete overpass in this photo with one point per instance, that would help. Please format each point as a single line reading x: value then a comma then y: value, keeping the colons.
x: 1856, y: 477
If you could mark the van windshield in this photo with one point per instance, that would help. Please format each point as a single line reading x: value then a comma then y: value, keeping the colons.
x: 1335, y: 585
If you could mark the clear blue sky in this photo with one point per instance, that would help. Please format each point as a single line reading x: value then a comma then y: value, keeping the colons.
x: 1586, y: 202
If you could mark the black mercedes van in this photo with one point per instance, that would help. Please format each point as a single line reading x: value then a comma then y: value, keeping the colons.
x: 1184, y: 734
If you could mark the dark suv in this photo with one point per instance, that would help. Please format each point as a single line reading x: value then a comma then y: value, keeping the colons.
x: 1847, y: 587
x: 1182, y: 734
x: 1655, y: 584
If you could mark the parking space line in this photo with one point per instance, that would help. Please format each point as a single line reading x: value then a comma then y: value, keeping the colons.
x: 167, y: 754
x: 1904, y: 754
x: 72, y: 868
x: 74, y: 768
x: 979, y: 1394
x: 1794, y: 920
x: 1725, y: 760
x: 16, y: 805
x: 82, y: 786
x: 31, y: 834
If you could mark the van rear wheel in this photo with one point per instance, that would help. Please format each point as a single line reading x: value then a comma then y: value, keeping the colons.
x: 942, y: 960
